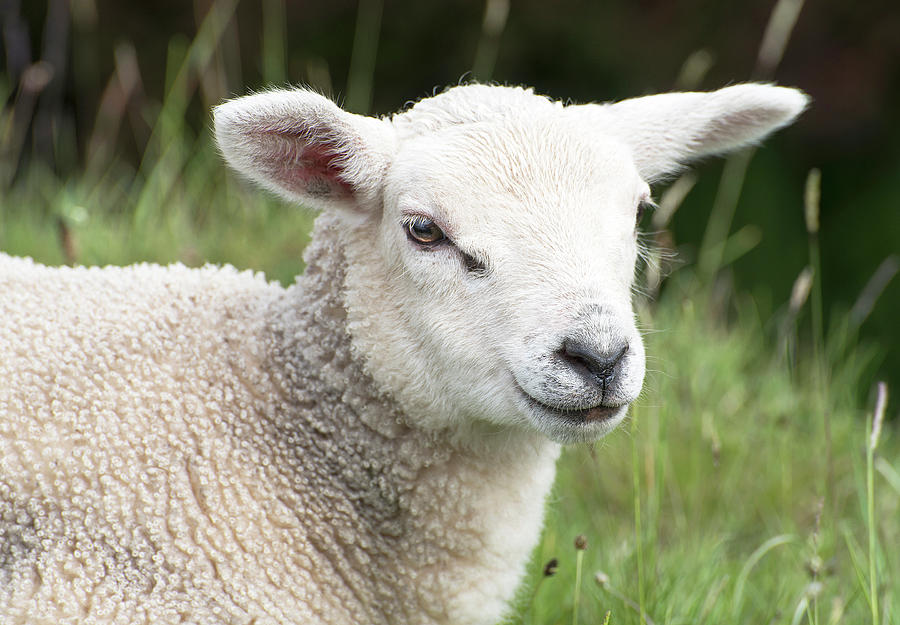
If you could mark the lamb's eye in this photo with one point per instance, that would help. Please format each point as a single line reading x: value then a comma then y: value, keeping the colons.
x: 424, y: 231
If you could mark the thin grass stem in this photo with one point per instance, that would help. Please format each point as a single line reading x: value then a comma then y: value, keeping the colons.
x: 492, y: 25
x: 274, y: 42
x: 811, y: 202
x: 889, y: 473
x: 811, y: 206
x: 778, y: 32
x: 638, y: 531
x: 579, y: 563
x: 865, y: 303
x: 737, y: 601
x: 160, y: 168
x: 362, y: 59
x: 602, y: 580
x: 712, y: 247
x: 775, y: 39
x: 874, y: 430
x: 870, y: 523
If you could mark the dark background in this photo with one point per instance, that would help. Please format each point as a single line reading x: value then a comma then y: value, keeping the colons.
x: 845, y: 54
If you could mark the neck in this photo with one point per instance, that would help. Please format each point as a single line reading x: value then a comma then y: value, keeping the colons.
x: 424, y: 525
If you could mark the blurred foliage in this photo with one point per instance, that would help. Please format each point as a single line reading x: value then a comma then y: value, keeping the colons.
x: 85, y: 83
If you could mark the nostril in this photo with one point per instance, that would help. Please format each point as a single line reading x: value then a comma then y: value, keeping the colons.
x: 601, y: 365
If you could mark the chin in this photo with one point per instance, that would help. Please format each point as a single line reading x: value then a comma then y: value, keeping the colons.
x: 579, y: 426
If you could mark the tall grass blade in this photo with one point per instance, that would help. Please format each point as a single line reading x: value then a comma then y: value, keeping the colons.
x: 811, y: 209
x: 120, y: 91
x: 878, y: 415
x: 274, y: 42
x: 638, y: 531
x: 802, y: 608
x: 876, y: 285
x: 737, y: 601
x: 856, y: 558
x: 167, y: 135
x: 811, y: 198
x: 694, y: 70
x: 602, y: 580
x: 33, y: 82
x: 889, y: 473
x: 579, y: 564
x: 778, y: 32
x: 712, y: 247
x: 492, y: 25
x: 672, y: 199
x: 875, y: 432
x: 362, y: 58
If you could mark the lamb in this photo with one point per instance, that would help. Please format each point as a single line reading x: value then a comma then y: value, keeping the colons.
x: 375, y: 443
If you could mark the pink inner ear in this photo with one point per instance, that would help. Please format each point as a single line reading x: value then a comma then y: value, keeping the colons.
x: 308, y: 169
x: 319, y: 173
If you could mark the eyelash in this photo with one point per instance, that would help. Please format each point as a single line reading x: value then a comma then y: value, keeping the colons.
x: 474, y: 266
x: 420, y: 228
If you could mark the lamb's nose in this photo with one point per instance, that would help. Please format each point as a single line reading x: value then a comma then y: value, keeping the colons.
x: 599, y: 367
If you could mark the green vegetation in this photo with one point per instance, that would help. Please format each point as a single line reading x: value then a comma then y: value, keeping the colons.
x: 721, y: 503
x: 748, y: 486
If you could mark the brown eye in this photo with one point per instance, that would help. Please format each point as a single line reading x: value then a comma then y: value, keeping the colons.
x: 424, y: 231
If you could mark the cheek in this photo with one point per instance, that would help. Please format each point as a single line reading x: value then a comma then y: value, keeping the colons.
x: 447, y: 318
x: 425, y: 290
x: 434, y: 295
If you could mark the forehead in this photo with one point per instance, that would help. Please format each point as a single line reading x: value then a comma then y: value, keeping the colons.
x: 536, y: 164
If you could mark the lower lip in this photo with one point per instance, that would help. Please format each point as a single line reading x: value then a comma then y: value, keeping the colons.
x: 599, y: 413
x: 596, y: 414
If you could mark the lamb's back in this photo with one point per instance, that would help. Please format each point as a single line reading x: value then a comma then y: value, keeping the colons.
x: 200, y: 446
x: 130, y: 434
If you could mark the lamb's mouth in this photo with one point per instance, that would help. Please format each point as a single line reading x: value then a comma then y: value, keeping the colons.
x: 594, y: 414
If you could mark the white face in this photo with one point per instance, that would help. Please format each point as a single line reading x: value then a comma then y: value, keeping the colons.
x: 511, y: 250
x: 500, y: 289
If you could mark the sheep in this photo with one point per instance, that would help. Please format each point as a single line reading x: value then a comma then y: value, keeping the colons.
x: 373, y: 444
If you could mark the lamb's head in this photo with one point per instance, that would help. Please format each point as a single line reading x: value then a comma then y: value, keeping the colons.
x: 491, y: 235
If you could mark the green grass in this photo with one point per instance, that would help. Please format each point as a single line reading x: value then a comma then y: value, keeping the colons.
x: 205, y: 217
x: 727, y: 451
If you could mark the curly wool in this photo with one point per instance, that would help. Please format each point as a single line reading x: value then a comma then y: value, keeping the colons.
x: 374, y: 444
x: 199, y: 445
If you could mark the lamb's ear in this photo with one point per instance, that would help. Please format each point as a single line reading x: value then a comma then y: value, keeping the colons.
x: 302, y: 146
x: 669, y: 130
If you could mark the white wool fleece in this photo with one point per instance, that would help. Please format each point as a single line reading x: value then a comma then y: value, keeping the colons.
x: 375, y: 443
x: 205, y: 449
